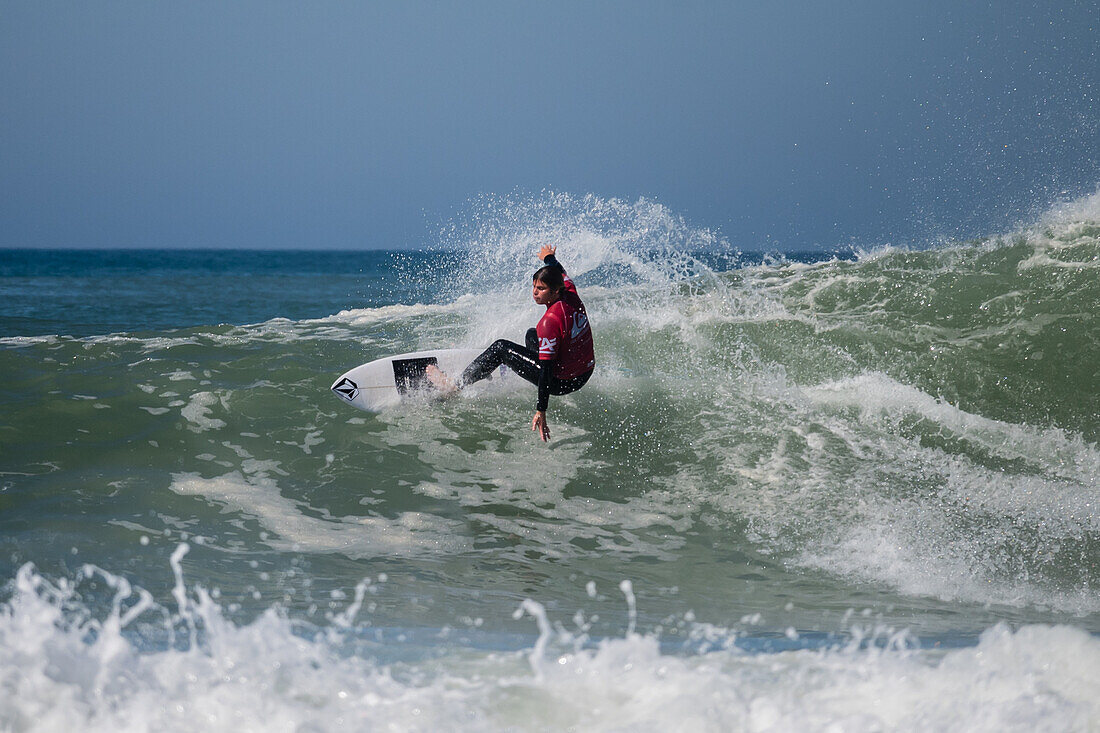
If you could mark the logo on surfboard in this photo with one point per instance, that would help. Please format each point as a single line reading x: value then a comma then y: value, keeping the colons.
x: 347, y: 389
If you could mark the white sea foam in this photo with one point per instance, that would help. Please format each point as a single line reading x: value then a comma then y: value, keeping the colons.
x: 914, y: 551
x: 72, y: 668
x: 258, y: 497
x: 19, y: 342
x: 912, y: 541
x: 198, y: 411
x: 883, y: 400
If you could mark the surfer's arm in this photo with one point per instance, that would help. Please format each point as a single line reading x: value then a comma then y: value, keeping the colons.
x: 538, y: 422
x: 546, y: 366
x: 546, y: 254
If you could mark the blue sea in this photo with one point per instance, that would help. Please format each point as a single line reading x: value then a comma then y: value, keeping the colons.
x: 838, y: 491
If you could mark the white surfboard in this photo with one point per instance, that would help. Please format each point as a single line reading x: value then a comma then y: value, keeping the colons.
x: 385, y: 382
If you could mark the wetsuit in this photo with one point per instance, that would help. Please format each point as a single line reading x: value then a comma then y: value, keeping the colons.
x: 558, y: 354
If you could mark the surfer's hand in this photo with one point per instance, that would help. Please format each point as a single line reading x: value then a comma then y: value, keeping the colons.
x: 538, y: 424
x: 546, y: 250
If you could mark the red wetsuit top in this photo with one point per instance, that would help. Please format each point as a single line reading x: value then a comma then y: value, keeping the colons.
x: 564, y: 335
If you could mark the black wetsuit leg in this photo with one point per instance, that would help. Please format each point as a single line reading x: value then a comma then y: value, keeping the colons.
x: 522, y: 361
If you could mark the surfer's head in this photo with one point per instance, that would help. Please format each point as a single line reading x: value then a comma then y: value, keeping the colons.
x: 546, y: 285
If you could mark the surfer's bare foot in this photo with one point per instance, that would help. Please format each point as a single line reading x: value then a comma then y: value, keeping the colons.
x: 439, y: 380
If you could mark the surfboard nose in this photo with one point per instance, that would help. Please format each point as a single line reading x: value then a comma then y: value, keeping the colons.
x: 346, y: 388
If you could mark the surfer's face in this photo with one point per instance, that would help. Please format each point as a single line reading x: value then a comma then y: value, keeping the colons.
x: 542, y: 293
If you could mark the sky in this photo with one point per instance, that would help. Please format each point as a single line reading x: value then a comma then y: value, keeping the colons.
x: 781, y: 126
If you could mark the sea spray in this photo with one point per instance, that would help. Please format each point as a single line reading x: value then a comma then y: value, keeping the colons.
x: 63, y: 668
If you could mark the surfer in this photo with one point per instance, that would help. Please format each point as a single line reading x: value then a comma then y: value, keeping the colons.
x: 557, y: 355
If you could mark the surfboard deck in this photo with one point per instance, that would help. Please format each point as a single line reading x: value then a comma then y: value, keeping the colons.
x: 387, y: 382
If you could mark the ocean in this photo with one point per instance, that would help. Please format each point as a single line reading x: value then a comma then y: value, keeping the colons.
x: 844, y: 491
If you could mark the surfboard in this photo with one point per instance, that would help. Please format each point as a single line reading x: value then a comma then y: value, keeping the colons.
x: 386, y: 382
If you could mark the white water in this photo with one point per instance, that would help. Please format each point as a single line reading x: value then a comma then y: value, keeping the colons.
x: 65, y: 667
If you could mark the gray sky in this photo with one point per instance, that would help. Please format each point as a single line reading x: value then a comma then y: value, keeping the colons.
x: 781, y: 125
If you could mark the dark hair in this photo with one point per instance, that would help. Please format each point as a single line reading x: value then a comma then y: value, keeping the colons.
x: 551, y: 276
